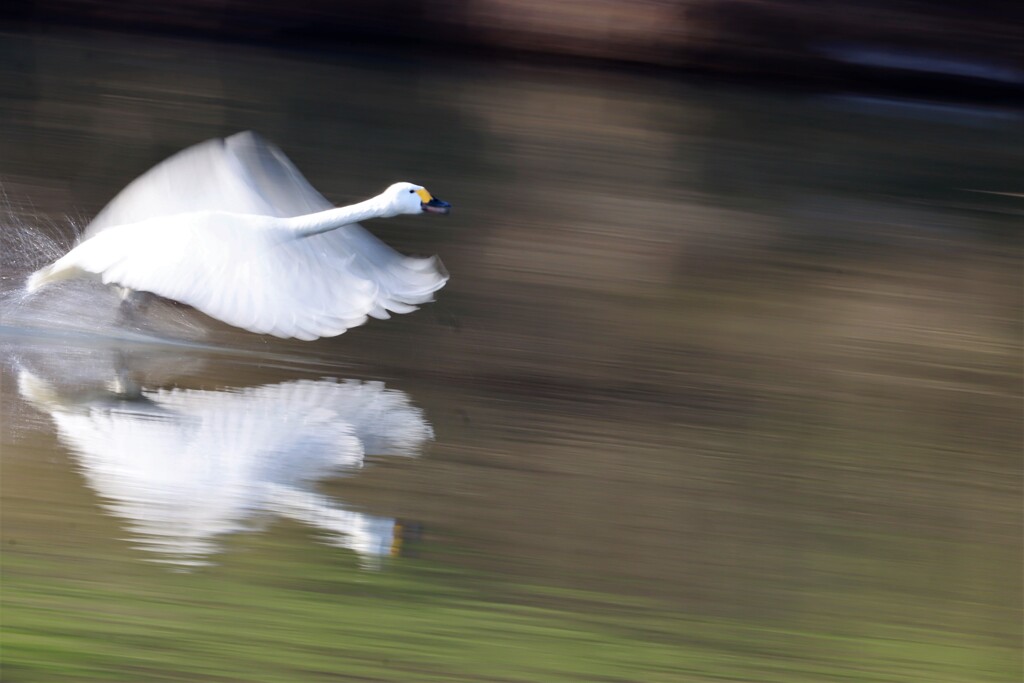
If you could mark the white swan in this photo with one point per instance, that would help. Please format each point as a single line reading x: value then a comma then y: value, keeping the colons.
x: 231, y: 228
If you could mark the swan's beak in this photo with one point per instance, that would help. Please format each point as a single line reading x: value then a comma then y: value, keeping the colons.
x: 435, y: 205
x: 431, y: 204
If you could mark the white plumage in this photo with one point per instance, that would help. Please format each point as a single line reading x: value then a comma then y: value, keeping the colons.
x: 233, y: 229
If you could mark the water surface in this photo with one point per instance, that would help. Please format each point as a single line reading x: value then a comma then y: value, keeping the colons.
x: 725, y: 385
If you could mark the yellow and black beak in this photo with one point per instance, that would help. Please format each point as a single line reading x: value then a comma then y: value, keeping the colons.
x: 431, y: 204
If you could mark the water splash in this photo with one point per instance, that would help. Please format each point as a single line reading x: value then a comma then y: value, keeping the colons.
x: 28, y: 241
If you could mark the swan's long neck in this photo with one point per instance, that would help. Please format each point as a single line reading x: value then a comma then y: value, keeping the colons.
x: 324, y: 221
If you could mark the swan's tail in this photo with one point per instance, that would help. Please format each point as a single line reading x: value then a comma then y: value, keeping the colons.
x: 50, y: 274
x: 38, y: 279
x: 36, y: 391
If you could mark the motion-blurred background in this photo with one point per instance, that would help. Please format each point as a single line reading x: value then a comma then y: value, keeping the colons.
x: 726, y: 384
x: 797, y: 39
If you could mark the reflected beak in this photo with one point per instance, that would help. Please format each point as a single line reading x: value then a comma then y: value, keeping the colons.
x: 435, y: 205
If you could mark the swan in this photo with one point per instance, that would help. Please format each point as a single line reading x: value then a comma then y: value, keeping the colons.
x: 233, y: 229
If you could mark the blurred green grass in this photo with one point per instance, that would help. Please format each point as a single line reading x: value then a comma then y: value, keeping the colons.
x: 276, y: 614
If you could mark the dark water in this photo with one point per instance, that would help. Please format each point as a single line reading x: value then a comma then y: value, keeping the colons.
x: 726, y: 385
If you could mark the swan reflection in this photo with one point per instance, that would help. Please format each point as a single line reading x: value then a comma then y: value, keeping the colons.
x: 186, y: 467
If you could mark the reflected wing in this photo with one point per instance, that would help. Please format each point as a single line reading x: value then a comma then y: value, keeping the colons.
x: 240, y: 174
x: 246, y: 272
x: 384, y: 420
x: 187, y: 466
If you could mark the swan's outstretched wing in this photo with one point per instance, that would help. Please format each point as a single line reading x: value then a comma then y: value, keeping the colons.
x: 240, y: 174
x: 313, y: 287
x: 247, y: 272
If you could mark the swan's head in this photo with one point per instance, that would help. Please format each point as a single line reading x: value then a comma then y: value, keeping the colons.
x: 408, y: 198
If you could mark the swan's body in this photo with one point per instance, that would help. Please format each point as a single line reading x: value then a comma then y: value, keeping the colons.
x: 253, y: 244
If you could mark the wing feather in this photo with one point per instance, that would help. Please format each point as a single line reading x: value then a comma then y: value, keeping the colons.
x: 243, y: 173
x: 239, y: 269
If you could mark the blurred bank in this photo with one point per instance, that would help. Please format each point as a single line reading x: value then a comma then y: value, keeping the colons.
x: 942, y: 49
